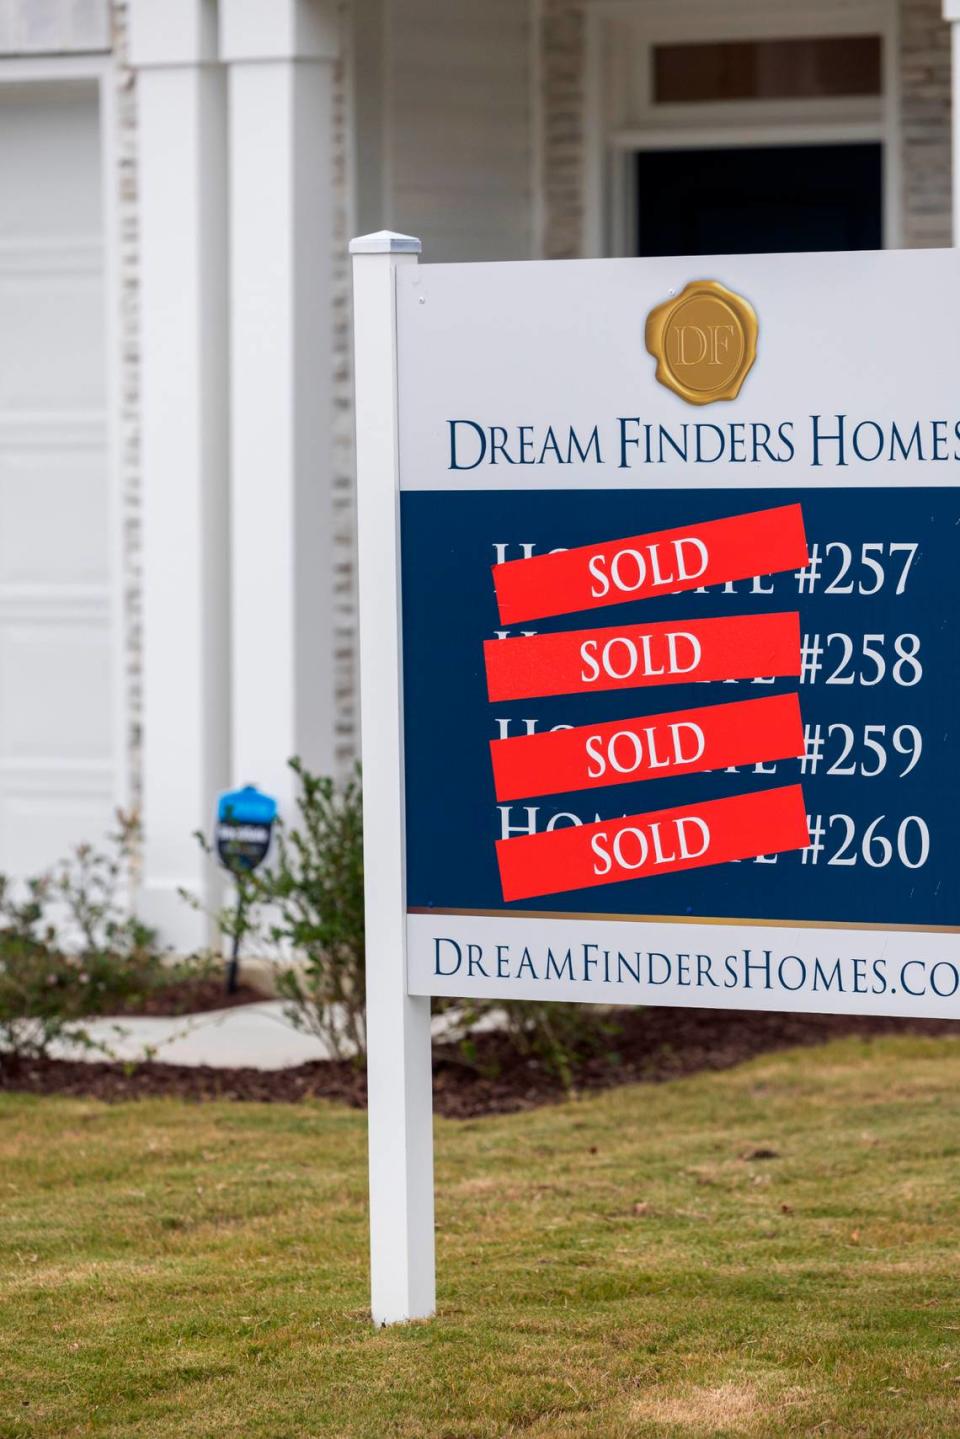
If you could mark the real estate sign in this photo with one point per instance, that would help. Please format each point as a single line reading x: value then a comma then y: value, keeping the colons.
x: 676, y: 625
x: 680, y: 630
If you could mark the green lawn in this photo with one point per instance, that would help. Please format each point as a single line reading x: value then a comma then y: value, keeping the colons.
x: 613, y: 1267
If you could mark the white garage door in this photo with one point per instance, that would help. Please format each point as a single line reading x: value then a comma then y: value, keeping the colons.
x: 56, y: 672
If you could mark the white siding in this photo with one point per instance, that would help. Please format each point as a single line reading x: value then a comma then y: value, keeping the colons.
x: 459, y: 126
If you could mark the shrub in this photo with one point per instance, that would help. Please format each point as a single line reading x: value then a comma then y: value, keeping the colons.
x: 70, y: 948
x: 308, y: 900
x: 559, y: 1037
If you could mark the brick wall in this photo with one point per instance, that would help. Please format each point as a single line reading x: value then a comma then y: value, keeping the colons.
x: 562, y: 71
x: 125, y: 300
x: 924, y: 69
x: 925, y: 114
x: 346, y: 667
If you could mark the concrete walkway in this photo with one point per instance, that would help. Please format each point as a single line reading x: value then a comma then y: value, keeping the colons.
x: 258, y: 1036
x: 254, y: 1036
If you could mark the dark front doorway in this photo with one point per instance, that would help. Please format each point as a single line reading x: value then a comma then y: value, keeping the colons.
x: 750, y: 200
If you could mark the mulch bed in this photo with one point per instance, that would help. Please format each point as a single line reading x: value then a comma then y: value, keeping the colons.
x: 194, y: 996
x: 654, y: 1045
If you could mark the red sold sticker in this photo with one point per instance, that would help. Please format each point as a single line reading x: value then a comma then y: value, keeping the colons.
x: 630, y: 656
x: 662, y: 841
x: 643, y: 566
x: 686, y: 741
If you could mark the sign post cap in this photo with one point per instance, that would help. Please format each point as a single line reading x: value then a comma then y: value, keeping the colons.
x: 385, y: 242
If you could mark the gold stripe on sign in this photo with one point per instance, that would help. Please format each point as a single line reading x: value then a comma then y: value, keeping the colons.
x: 688, y: 919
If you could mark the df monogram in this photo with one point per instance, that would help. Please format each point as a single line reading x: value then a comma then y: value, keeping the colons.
x: 704, y: 341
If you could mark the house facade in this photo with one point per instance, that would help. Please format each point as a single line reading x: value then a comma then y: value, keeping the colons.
x: 179, y: 182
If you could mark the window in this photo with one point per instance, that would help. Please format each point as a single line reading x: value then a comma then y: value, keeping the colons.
x: 800, y: 69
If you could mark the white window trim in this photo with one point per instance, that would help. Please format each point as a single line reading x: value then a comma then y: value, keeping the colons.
x: 100, y: 68
x: 609, y: 181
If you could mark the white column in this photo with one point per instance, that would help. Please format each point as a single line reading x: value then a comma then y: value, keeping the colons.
x: 951, y: 13
x: 186, y: 653
x: 398, y: 1026
x: 280, y: 56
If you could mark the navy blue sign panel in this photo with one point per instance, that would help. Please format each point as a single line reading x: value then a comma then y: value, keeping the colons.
x: 879, y: 620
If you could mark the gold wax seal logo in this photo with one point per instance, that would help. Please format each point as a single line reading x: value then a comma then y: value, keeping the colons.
x: 704, y: 341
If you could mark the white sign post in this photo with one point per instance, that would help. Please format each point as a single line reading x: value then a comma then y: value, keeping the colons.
x: 400, y: 1102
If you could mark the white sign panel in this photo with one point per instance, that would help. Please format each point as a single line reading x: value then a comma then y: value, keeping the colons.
x: 780, y: 435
